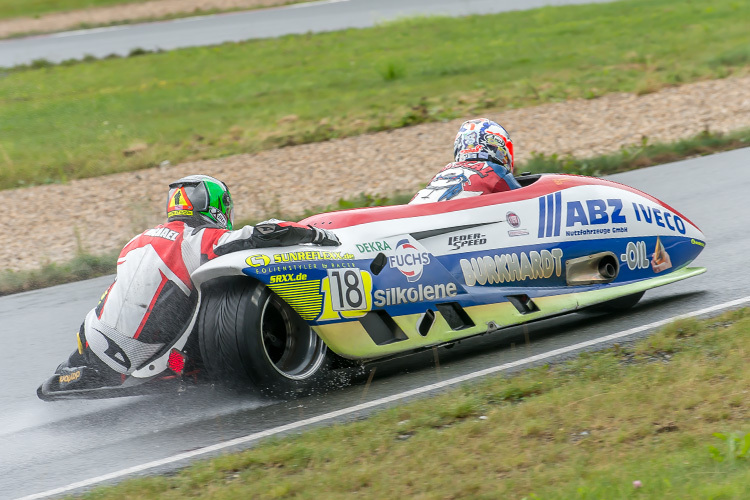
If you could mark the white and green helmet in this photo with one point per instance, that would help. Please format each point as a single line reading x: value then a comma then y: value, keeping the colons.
x: 200, y: 199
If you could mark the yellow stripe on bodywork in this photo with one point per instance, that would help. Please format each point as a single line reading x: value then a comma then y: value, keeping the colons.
x: 303, y: 296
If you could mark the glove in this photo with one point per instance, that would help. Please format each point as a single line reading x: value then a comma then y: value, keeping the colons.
x: 274, y: 232
x: 323, y: 237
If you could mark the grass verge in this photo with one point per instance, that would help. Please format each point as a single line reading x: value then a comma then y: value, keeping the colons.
x: 104, y: 116
x: 666, y: 417
x: 86, y: 266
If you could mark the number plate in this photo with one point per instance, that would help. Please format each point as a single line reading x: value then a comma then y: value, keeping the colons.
x: 347, y: 289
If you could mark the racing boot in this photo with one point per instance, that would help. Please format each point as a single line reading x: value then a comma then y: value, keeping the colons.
x: 83, y: 370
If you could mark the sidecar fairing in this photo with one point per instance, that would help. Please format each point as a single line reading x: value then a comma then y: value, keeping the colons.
x: 413, y: 276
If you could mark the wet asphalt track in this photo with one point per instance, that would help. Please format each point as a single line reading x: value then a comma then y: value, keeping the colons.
x: 49, y: 445
x: 316, y: 17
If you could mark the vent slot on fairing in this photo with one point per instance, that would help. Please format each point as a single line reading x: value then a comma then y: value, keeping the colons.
x: 602, y: 267
x: 381, y: 328
x: 523, y: 303
x: 455, y: 315
x: 378, y: 263
x: 425, y: 322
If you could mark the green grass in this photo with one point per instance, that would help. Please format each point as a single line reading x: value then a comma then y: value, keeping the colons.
x: 86, y: 265
x: 98, y: 117
x: 34, y: 8
x: 585, y: 429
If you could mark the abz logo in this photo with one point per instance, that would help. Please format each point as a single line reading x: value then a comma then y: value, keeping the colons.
x: 409, y: 260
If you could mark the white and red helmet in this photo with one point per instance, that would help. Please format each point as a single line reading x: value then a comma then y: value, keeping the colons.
x: 484, y: 140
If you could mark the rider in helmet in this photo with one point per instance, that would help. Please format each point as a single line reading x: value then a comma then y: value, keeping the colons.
x: 483, y: 164
x: 152, y: 298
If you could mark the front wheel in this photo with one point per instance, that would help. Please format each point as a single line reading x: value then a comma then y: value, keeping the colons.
x: 251, y: 339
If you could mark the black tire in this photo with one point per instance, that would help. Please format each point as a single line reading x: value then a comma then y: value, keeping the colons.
x: 617, y: 305
x: 250, y: 339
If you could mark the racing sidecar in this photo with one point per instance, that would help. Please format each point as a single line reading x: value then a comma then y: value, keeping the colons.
x: 415, y: 276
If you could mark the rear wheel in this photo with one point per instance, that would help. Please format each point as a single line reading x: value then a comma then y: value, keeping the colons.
x: 251, y: 339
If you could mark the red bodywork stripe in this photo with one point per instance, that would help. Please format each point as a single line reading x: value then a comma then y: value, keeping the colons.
x: 545, y: 185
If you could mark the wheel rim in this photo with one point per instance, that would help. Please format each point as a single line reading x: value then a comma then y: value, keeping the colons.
x: 290, y: 345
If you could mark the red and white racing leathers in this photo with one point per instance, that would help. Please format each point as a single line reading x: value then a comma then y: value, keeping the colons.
x: 464, y: 179
x: 151, y: 300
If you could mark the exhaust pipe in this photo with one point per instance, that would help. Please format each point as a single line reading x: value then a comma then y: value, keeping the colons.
x: 600, y: 267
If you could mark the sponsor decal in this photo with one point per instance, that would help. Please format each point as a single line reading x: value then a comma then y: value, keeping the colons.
x: 599, y: 230
x: 179, y: 204
x: 595, y: 212
x: 698, y: 242
x: 515, y: 222
x: 464, y: 240
x: 69, y: 377
x: 261, y: 260
x: 660, y: 260
x: 175, y: 213
x: 347, y: 294
x: 218, y: 216
x: 409, y: 260
x: 518, y: 232
x: 258, y: 260
x: 510, y: 267
x: 286, y: 278
x: 373, y: 246
x: 180, y: 201
x: 582, y: 213
x: 310, y: 255
x: 397, y: 295
x: 162, y: 232
x: 550, y: 215
x: 636, y: 256
x: 513, y: 219
x: 660, y: 217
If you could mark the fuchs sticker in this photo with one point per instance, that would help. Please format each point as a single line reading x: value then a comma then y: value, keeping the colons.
x: 464, y: 240
x: 409, y: 260
x: 513, y: 219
